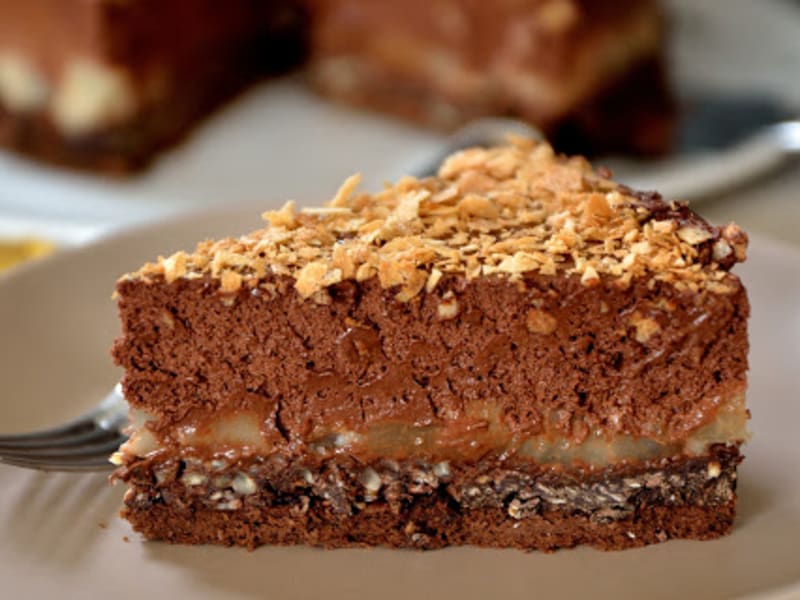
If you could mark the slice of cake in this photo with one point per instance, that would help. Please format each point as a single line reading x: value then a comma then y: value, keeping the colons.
x: 518, y: 352
x: 588, y: 73
x: 104, y: 84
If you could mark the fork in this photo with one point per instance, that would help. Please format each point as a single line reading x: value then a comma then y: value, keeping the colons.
x: 84, y: 444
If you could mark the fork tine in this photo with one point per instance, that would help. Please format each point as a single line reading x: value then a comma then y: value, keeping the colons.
x: 110, y: 414
x: 81, y: 464
x: 102, y: 447
x: 48, y: 435
x: 93, y: 435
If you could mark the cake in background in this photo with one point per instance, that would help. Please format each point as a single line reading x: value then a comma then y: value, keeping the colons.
x: 588, y: 73
x: 105, y: 85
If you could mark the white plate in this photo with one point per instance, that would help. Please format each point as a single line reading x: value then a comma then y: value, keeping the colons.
x: 60, y: 536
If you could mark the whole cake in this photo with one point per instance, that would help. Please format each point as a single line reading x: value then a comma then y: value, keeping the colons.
x: 518, y: 352
x: 104, y: 84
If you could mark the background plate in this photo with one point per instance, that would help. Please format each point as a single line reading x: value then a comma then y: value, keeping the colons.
x: 60, y: 536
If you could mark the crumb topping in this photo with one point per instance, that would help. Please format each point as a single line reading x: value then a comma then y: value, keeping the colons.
x: 504, y: 211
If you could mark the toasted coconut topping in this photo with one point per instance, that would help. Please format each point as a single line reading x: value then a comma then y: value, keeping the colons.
x: 506, y: 211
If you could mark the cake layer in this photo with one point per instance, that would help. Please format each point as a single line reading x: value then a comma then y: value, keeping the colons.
x: 441, y: 526
x: 479, y: 435
x: 643, y: 362
x: 341, y: 502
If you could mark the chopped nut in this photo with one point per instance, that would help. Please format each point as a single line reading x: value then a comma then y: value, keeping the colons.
x: 326, y: 210
x: 281, y: 218
x: 174, y: 267
x: 234, y: 504
x: 230, y: 281
x: 520, y: 262
x: 442, y: 469
x: 736, y: 238
x: 507, y: 211
x: 721, y: 250
x: 645, y: 327
x: 244, y: 484
x: 597, y: 208
x: 515, y: 509
x: 310, y: 278
x: 589, y: 276
x: 477, y: 206
x: 371, y: 480
x: 447, y: 309
x: 539, y: 321
x: 191, y: 479
x: 694, y: 235
x: 345, y: 191
x: 714, y: 469
x: 433, y: 279
x: 167, y: 319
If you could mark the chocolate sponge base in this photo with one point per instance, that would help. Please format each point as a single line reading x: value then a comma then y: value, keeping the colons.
x: 428, y: 523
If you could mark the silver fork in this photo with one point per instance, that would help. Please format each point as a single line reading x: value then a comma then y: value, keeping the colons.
x: 84, y: 444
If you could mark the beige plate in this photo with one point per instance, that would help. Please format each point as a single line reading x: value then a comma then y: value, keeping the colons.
x: 60, y: 535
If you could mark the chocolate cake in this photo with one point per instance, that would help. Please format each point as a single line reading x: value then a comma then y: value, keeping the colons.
x: 105, y: 85
x: 518, y: 352
x: 588, y: 73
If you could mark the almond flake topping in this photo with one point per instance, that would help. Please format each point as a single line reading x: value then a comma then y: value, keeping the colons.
x: 507, y: 211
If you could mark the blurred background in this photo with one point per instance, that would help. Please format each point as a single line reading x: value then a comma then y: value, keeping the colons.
x: 109, y: 120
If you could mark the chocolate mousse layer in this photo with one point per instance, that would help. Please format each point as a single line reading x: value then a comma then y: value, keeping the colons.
x: 596, y: 360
